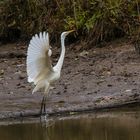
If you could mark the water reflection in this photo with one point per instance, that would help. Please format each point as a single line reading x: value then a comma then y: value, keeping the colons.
x: 103, y: 126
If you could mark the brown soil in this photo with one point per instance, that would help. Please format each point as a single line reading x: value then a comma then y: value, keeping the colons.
x: 94, y: 79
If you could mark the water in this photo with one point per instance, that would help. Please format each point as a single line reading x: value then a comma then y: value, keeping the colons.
x: 122, y: 125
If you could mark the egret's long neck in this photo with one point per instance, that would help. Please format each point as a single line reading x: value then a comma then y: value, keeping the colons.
x: 61, y: 59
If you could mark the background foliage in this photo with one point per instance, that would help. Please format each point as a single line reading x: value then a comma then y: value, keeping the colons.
x: 94, y: 20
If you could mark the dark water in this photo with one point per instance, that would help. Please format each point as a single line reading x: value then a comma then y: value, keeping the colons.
x: 99, y: 126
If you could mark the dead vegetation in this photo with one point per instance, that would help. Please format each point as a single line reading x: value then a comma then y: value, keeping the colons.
x: 95, y: 21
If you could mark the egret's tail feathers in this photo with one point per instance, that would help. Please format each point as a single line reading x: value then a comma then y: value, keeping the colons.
x: 38, y: 86
x: 42, y: 85
x: 35, y: 89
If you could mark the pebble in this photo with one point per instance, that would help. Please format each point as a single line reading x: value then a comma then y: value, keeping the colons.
x: 1, y: 72
x: 21, y: 76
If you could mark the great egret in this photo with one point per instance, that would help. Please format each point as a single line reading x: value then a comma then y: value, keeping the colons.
x: 39, y: 67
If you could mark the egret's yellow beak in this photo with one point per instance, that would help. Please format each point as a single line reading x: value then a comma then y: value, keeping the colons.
x: 64, y: 34
x: 71, y: 31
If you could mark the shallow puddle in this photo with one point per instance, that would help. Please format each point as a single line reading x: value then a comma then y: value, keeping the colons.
x: 122, y: 125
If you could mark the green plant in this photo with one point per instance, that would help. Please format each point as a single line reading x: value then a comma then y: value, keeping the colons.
x: 94, y: 20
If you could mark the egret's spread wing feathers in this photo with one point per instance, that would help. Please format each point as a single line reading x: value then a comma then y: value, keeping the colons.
x: 38, y: 58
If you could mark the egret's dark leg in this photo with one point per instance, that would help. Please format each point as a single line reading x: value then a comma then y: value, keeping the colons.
x: 43, y: 105
x: 45, y: 97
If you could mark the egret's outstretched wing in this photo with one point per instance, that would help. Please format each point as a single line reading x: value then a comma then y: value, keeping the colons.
x: 38, y: 58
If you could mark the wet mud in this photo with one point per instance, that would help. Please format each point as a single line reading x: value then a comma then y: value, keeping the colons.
x: 91, y: 79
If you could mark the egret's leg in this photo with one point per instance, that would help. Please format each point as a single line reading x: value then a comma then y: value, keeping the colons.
x: 43, y: 105
x: 43, y: 117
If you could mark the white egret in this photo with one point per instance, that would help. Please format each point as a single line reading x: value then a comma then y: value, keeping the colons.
x: 39, y: 67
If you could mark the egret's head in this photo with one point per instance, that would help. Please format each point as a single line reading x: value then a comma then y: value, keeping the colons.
x: 64, y: 34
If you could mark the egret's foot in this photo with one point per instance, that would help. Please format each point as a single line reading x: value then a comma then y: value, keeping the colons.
x: 43, y: 107
x: 43, y: 118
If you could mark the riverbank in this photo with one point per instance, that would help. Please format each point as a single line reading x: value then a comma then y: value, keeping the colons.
x: 94, y: 79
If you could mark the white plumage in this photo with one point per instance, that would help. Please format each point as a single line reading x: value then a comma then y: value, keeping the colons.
x: 39, y: 66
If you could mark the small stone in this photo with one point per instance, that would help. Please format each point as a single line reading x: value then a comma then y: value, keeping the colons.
x: 89, y: 93
x: 83, y: 53
x: 65, y: 87
x: 128, y: 90
x: 11, y: 92
x: 18, y: 84
x: 29, y: 88
x: 61, y: 102
x: 108, y: 72
x: 1, y: 72
x: 58, y: 93
x: 21, y: 76
x: 109, y: 85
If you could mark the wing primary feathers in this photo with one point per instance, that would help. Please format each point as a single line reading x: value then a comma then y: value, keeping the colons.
x: 44, y: 37
x: 38, y: 60
x: 47, y: 39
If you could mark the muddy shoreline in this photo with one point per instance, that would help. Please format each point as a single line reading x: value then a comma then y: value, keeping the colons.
x: 96, y: 79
